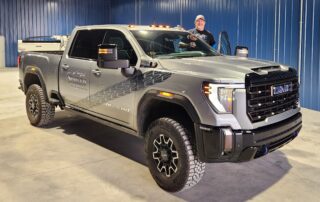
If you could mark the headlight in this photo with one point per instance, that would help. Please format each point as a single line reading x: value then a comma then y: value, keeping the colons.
x: 221, y: 96
x: 225, y: 97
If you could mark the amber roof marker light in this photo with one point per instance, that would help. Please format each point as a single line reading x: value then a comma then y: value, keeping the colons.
x: 160, y: 26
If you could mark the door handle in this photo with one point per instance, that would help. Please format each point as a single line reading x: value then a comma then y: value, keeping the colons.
x: 65, y: 66
x: 96, y: 72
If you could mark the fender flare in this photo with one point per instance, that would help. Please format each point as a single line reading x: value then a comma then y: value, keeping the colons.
x: 153, y: 95
x: 37, y: 72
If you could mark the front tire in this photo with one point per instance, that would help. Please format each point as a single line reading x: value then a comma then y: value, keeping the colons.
x: 170, y: 156
x: 39, y: 111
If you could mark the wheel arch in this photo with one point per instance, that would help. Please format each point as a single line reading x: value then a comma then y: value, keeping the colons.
x: 33, y: 75
x: 152, y: 106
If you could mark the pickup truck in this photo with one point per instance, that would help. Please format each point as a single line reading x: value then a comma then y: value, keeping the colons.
x: 191, y: 104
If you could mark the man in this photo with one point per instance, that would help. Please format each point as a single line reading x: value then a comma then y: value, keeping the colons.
x: 201, y: 32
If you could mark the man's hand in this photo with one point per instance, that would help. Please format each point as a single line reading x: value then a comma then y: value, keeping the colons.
x: 193, y: 44
x: 192, y: 37
x: 183, y: 45
x: 187, y: 45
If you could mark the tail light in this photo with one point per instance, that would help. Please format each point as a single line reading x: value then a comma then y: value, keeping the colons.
x: 19, y: 60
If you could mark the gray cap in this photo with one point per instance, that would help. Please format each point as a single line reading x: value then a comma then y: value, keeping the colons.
x: 200, y: 17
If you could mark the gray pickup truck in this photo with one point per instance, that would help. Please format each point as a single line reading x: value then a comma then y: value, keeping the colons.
x: 191, y: 104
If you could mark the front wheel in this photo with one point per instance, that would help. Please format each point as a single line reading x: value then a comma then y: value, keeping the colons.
x: 170, y: 156
x: 39, y: 111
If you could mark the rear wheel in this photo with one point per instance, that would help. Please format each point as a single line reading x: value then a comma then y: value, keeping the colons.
x: 170, y: 156
x: 39, y: 111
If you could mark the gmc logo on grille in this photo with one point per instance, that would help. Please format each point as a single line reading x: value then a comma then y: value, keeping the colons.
x: 281, y: 89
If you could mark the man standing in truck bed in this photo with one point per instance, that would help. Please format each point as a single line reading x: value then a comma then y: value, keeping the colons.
x: 200, y: 30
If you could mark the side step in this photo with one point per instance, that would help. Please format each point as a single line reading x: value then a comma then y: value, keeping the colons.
x: 56, y: 99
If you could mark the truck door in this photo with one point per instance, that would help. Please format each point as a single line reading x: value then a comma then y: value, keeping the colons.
x: 75, y: 67
x: 111, y: 94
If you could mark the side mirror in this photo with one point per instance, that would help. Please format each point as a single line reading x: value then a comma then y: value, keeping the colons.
x: 108, y: 57
x: 242, y: 51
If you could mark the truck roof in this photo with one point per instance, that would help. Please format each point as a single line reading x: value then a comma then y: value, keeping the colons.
x: 134, y: 27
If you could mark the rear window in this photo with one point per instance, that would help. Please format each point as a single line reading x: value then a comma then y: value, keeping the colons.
x: 85, y: 45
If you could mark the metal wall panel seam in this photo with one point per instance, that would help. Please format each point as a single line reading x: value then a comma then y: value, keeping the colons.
x: 304, y: 48
x: 257, y: 27
x: 275, y: 30
x: 312, y: 44
x: 291, y: 32
x: 285, y: 30
x: 36, y: 18
x: 279, y: 31
x: 319, y: 60
x: 6, y: 32
x: 140, y: 11
x: 238, y: 23
x: 300, y: 39
x: 181, y: 22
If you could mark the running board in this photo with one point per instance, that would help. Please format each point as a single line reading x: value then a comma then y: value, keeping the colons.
x: 102, y: 121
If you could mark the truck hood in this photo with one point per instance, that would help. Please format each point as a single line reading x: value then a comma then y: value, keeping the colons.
x: 218, y: 68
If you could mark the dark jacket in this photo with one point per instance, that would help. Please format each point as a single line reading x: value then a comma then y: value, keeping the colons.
x: 205, y: 35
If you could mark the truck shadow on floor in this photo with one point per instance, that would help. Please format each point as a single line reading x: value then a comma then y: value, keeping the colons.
x: 221, y: 182
x: 122, y: 143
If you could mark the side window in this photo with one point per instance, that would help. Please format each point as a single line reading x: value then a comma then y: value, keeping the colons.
x: 125, y: 50
x: 85, y: 44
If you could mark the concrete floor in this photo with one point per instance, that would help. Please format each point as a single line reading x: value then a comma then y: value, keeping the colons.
x: 75, y: 159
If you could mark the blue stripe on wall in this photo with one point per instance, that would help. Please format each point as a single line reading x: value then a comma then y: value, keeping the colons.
x: 269, y: 28
x: 24, y: 18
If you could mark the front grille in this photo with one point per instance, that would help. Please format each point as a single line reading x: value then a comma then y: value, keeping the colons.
x: 261, y: 104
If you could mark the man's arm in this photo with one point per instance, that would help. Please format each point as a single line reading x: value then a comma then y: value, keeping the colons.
x: 211, y: 39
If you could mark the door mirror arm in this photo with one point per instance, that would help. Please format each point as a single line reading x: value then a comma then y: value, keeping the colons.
x: 148, y: 63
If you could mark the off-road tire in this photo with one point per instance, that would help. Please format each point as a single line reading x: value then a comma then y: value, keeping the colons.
x: 39, y: 111
x: 189, y: 169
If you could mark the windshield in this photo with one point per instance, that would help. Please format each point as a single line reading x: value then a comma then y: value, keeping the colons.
x: 172, y: 44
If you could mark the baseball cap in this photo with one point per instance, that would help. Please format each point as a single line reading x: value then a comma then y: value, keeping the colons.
x: 200, y: 17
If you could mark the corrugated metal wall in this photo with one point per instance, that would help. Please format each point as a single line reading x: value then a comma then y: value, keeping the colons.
x: 24, y: 18
x: 269, y: 28
x: 310, y: 56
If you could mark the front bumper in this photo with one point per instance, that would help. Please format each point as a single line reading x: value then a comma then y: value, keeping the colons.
x: 246, y: 144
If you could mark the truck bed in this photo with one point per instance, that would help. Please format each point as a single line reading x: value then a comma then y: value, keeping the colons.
x: 42, y: 43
